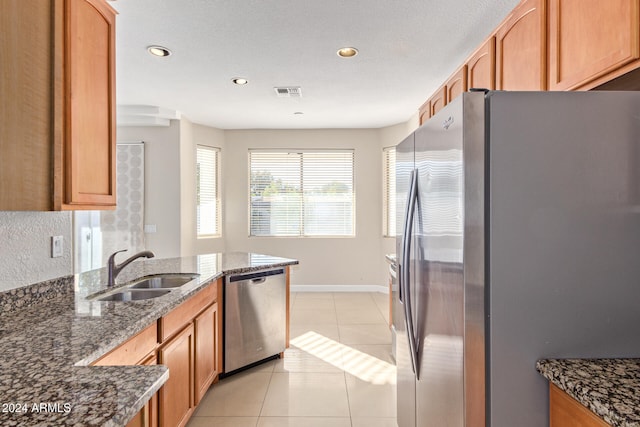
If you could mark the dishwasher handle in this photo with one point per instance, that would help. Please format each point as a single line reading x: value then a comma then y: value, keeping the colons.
x: 255, y: 277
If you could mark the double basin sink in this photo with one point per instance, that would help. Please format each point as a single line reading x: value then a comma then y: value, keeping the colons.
x: 148, y: 287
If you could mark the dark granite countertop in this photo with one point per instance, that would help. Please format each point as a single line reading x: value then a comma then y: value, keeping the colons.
x: 51, y: 332
x: 608, y: 387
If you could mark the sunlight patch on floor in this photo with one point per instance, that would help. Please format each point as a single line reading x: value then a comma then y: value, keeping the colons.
x: 357, y: 363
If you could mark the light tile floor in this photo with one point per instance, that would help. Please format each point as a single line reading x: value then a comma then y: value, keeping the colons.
x: 337, y: 373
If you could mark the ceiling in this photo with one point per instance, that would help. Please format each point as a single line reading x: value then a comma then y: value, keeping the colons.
x: 407, y: 49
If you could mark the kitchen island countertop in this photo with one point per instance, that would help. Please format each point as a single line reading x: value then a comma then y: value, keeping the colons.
x: 52, y: 331
x: 610, y: 388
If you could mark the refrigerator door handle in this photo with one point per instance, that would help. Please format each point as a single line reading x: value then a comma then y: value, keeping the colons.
x: 406, y: 271
x: 403, y: 262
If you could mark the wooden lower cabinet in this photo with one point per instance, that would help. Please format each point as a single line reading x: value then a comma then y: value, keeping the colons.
x: 138, y: 350
x: 176, y: 395
x: 188, y: 341
x: 191, y: 347
x: 150, y: 410
x: 564, y: 411
x: 148, y: 416
x: 207, y: 350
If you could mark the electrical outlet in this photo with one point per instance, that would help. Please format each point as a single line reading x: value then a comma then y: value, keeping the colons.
x: 57, y: 246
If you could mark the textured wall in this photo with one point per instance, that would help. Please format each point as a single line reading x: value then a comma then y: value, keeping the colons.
x: 25, y: 247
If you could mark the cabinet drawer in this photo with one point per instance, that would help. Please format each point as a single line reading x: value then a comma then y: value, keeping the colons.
x: 133, y: 351
x: 185, y: 312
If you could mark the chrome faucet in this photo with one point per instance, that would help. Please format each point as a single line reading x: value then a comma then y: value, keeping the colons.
x: 114, y: 269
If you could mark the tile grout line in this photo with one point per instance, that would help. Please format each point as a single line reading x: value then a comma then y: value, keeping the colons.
x: 264, y: 398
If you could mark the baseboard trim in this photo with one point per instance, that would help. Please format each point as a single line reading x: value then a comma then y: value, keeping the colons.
x: 340, y: 288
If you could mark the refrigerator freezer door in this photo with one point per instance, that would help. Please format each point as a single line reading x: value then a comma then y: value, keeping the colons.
x: 439, y: 271
x: 406, y: 383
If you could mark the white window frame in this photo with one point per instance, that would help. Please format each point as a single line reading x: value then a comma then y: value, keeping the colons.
x: 389, y: 192
x: 303, y: 232
x: 217, y: 232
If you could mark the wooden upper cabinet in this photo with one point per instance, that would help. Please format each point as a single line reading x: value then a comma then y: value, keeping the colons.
x: 57, y: 105
x: 521, y: 48
x: 26, y: 97
x: 481, y: 67
x: 589, y: 38
x: 90, y: 151
x: 457, y: 84
x: 437, y: 101
x: 425, y: 112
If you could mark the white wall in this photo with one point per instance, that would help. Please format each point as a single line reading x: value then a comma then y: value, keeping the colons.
x: 170, y: 185
x: 25, y: 247
x: 161, y: 186
x: 334, y: 261
x: 192, y: 134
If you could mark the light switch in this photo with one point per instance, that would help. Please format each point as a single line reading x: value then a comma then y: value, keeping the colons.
x: 150, y: 228
x: 57, y: 246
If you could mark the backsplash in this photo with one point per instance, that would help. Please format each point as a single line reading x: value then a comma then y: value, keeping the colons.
x: 27, y: 296
x: 25, y: 247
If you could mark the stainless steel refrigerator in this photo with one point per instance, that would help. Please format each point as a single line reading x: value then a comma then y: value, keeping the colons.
x: 519, y: 239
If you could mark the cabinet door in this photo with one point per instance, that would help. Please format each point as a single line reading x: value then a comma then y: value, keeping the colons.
x: 150, y: 411
x: 89, y: 155
x: 521, y: 48
x: 26, y: 95
x: 457, y: 84
x: 588, y: 38
x: 176, y: 395
x: 438, y: 100
x: 424, y: 112
x: 481, y: 67
x: 206, y: 345
x: 148, y: 415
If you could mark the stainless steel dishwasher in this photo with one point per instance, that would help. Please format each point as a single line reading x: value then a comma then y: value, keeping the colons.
x: 254, y: 317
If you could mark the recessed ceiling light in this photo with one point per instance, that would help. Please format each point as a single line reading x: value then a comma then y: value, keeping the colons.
x: 158, y: 51
x: 298, y: 113
x: 240, y: 81
x: 347, y: 52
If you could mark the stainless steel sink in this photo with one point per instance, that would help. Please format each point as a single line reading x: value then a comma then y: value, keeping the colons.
x: 163, y: 281
x: 134, y: 295
x: 152, y: 286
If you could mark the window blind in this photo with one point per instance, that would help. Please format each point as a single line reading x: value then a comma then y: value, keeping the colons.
x: 207, y: 191
x: 301, y: 193
x: 389, y: 191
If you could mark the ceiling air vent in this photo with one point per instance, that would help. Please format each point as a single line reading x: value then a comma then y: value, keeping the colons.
x: 288, y: 92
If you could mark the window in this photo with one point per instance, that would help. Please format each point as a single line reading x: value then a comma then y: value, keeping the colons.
x: 207, y: 191
x: 389, y: 189
x: 302, y: 193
